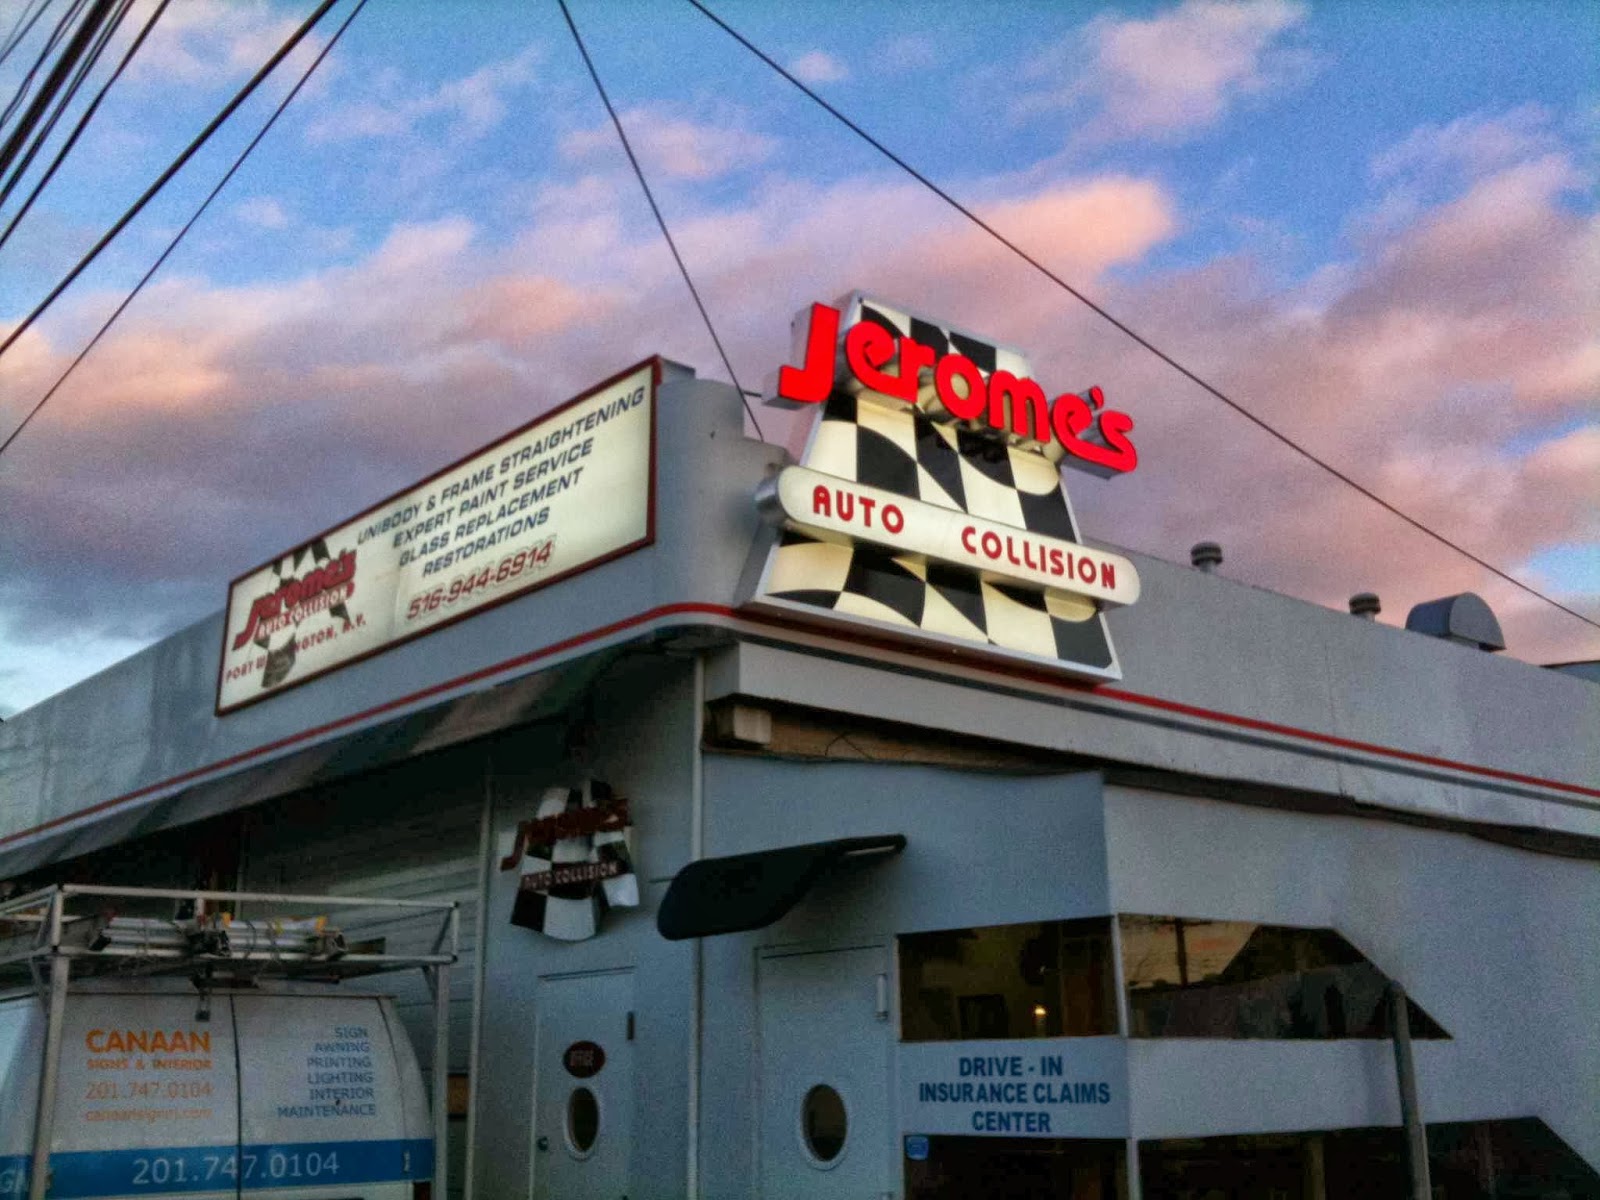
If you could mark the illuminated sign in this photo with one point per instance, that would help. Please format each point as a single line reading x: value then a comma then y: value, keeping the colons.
x: 822, y: 504
x: 570, y: 490
x: 938, y: 515
x: 958, y: 377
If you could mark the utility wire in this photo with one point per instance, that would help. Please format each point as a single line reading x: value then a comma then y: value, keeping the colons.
x: 71, y: 54
x: 81, y: 66
x: 177, y: 164
x: 1122, y: 326
x: 83, y: 123
x: 43, y: 57
x: 660, y: 220
x: 22, y: 26
x: 189, y: 224
x: 51, y: 40
x: 81, y: 72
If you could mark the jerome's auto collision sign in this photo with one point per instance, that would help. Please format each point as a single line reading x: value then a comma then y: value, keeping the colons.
x: 572, y: 489
x: 928, y: 504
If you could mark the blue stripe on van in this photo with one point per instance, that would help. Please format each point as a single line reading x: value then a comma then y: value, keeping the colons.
x: 82, y: 1174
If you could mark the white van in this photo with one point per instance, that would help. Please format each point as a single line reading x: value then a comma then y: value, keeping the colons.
x: 301, y: 1090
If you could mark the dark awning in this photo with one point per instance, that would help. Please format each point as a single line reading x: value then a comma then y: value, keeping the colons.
x: 464, y: 718
x: 751, y: 891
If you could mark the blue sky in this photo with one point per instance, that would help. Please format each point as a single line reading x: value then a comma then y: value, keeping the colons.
x: 1373, y: 224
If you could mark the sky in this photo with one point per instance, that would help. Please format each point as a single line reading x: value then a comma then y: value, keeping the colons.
x: 1374, y: 225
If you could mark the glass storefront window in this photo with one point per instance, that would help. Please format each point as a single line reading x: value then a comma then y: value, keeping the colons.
x: 1194, y: 978
x: 1476, y: 1160
x: 1041, y: 979
x: 997, y: 1168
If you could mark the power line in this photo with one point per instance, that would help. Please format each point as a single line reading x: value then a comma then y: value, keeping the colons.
x: 189, y: 224
x: 83, y: 123
x: 83, y: 69
x: 54, y: 36
x: 71, y: 54
x: 22, y: 26
x: 1122, y: 326
x: 177, y: 164
x: 656, y: 209
x: 81, y: 62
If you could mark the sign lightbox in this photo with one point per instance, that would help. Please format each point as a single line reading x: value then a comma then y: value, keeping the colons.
x: 566, y: 492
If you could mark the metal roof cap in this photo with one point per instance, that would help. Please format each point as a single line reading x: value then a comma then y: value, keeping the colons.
x: 1464, y: 618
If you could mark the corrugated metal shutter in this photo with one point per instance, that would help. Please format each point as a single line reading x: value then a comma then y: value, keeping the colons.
x: 410, y: 833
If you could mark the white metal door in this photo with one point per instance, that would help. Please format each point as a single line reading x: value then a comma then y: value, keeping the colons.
x: 825, y: 1037
x: 583, y: 1087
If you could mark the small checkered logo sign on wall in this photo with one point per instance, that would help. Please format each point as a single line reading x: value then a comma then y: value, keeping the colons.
x: 929, y: 502
x: 577, y: 862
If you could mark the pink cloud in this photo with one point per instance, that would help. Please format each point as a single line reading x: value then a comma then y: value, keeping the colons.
x: 1170, y: 76
x: 518, y: 311
x: 818, y: 66
x: 671, y: 145
x: 207, y: 41
x: 1466, y: 331
x: 391, y: 107
x: 262, y: 212
x: 1471, y: 145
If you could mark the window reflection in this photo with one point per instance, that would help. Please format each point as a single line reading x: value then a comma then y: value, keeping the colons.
x: 1185, y: 977
x: 997, y: 1168
x: 824, y: 1123
x: 583, y: 1122
x: 1188, y: 977
x: 1476, y: 1160
x: 1041, y: 979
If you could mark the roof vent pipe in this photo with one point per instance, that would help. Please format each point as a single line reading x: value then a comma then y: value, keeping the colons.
x: 1365, y: 605
x: 1205, y: 556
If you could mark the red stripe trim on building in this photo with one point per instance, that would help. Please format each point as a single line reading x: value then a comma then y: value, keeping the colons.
x: 723, y: 611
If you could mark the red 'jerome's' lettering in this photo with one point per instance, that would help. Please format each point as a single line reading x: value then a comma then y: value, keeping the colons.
x: 611, y: 817
x: 296, y: 592
x: 1003, y: 401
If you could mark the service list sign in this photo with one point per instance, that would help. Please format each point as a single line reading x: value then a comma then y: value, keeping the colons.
x: 570, y: 490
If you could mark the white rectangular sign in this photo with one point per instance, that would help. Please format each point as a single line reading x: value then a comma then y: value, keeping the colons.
x: 571, y: 490
x: 1044, y: 1087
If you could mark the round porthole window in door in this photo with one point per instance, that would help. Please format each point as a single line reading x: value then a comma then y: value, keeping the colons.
x: 583, y: 1122
x: 824, y: 1125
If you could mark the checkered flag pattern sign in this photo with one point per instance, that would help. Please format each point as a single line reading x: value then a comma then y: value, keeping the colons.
x: 887, y: 444
x: 569, y: 883
x: 280, y: 644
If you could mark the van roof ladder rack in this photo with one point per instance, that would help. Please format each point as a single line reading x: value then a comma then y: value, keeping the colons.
x: 109, y: 930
